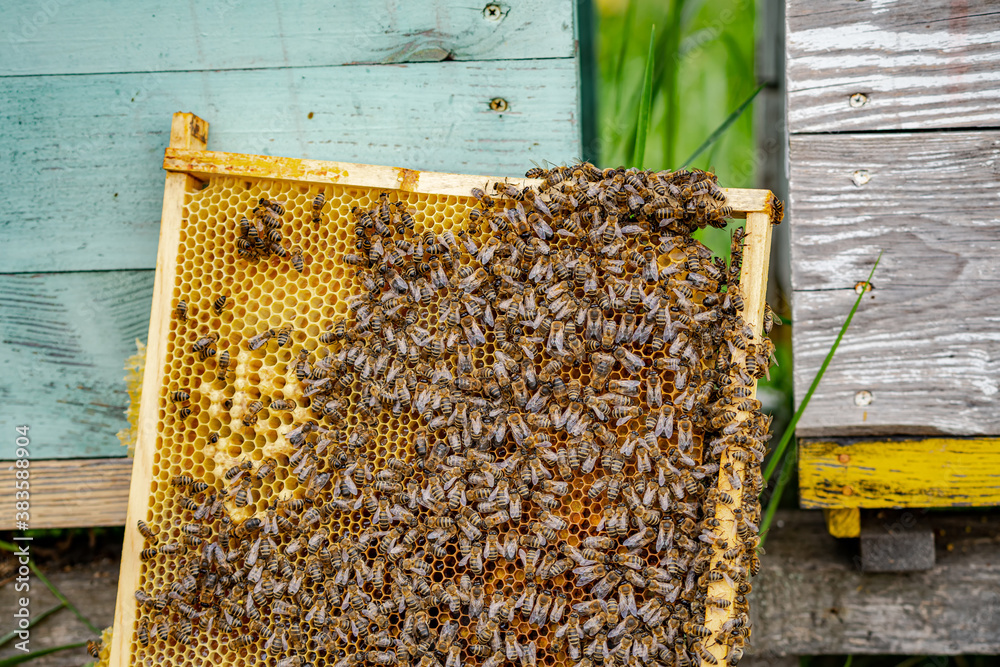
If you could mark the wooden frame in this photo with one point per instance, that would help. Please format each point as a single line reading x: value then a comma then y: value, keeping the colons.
x: 186, y: 131
x: 753, y: 281
x: 186, y: 158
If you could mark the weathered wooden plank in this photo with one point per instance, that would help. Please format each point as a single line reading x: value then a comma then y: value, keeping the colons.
x: 77, y: 493
x: 936, y: 472
x: 811, y: 597
x: 63, y: 341
x: 925, y: 345
x: 90, y: 586
x: 109, y: 37
x: 82, y: 161
x: 891, y: 65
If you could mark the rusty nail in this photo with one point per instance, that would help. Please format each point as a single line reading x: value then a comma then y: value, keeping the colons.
x: 862, y: 286
x: 498, y: 104
x: 493, y: 12
x: 861, y: 177
x: 863, y: 398
x: 844, y: 458
x: 859, y: 100
x: 848, y: 491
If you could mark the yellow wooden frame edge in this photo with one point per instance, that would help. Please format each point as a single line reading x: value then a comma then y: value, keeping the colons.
x: 203, y: 164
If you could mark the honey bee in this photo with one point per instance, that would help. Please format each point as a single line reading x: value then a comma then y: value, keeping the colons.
x: 204, y: 346
x: 261, y: 339
x: 219, y: 304
x: 146, y: 531
x: 181, y: 310
x: 281, y: 405
x: 272, y: 205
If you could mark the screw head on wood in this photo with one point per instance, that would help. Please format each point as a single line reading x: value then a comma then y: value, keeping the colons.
x: 863, y: 398
x: 860, y: 177
x: 859, y: 100
x: 498, y: 104
x: 844, y: 458
x: 492, y: 12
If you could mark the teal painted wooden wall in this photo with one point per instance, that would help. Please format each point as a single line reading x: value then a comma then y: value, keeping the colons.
x: 87, y: 90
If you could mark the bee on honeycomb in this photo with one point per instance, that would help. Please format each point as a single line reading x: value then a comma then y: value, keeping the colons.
x: 480, y: 430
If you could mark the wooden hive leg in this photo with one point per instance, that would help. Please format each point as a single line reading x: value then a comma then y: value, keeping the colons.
x: 190, y: 132
x: 843, y: 522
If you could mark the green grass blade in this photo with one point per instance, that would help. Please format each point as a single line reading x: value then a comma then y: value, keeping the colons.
x: 849, y: 660
x: 672, y: 63
x: 622, y: 50
x: 645, y: 103
x: 25, y: 657
x: 41, y: 617
x: 7, y: 546
x: 719, y: 131
x: 779, y: 488
x: 790, y: 431
x: 628, y: 138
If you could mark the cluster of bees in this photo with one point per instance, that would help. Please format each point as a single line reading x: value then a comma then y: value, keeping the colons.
x: 261, y: 237
x: 571, y: 347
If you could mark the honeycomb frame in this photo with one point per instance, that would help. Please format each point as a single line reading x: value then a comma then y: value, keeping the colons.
x: 246, y: 177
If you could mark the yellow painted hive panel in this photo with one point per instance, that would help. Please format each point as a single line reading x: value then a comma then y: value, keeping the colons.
x: 419, y: 426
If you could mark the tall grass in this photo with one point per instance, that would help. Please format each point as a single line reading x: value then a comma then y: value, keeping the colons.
x: 702, y: 71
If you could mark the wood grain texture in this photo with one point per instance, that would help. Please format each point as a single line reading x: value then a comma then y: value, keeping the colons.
x: 88, y: 585
x: 926, y: 342
x: 936, y: 472
x: 811, y: 597
x: 76, y: 493
x: 88, y: 38
x: 64, y: 338
x: 753, y: 283
x: 921, y: 64
x: 205, y: 164
x: 175, y: 187
x: 82, y: 154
